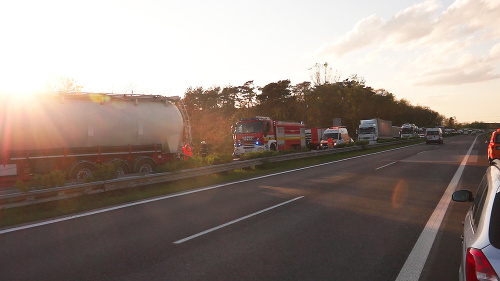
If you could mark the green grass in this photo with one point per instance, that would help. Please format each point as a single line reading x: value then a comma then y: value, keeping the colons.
x: 31, y: 213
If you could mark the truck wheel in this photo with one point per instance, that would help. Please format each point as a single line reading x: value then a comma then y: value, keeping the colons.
x: 145, y: 166
x: 82, y: 171
x: 273, y: 147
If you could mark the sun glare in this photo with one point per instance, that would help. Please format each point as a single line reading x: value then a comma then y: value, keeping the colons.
x: 15, y: 87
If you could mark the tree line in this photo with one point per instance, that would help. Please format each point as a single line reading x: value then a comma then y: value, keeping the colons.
x: 212, y: 111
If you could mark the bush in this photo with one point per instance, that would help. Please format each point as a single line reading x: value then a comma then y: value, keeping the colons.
x: 194, y: 162
x: 190, y: 163
x: 266, y: 165
x: 219, y: 159
x: 172, y: 167
x: 52, y: 179
x: 305, y: 149
x: 106, y: 171
x: 361, y: 143
x: 22, y: 186
x: 260, y: 154
x: 341, y: 145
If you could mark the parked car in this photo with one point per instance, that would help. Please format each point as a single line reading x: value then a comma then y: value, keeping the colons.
x: 494, y: 146
x: 481, y: 238
x: 433, y: 135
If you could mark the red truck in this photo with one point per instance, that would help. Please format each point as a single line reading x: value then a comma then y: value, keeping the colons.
x: 262, y: 133
x: 313, y: 137
x: 74, y: 133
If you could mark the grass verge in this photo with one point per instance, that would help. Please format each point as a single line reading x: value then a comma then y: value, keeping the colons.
x: 43, y: 211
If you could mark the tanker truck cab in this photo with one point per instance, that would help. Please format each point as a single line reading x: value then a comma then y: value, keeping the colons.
x: 253, y: 135
x: 335, y: 136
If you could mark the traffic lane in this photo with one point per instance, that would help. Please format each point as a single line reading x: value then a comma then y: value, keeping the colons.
x: 444, y: 259
x: 110, y: 241
x: 118, y: 241
x: 353, y: 230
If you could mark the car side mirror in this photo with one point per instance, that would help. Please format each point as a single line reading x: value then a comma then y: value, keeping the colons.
x: 462, y: 196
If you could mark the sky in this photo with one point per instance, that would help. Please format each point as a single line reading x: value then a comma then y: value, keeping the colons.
x: 441, y: 54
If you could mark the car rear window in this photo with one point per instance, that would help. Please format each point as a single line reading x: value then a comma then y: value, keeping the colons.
x: 495, y: 223
x: 432, y: 133
x: 497, y: 138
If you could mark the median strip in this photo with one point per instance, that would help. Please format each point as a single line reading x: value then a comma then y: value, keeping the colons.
x: 234, y: 221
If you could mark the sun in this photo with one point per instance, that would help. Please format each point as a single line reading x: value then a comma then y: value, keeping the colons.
x: 23, y: 86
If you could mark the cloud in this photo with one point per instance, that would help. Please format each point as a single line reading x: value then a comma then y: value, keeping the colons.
x: 406, y: 26
x: 412, y: 24
x: 458, y: 75
x: 466, y: 69
x: 494, y: 54
x: 433, y: 42
x: 366, y: 32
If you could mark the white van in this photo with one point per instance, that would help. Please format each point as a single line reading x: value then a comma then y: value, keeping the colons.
x: 433, y: 135
x: 335, y: 136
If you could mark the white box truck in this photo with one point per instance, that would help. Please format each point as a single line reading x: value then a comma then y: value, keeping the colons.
x: 375, y: 129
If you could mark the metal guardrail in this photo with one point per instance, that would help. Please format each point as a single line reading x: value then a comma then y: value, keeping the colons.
x: 74, y: 190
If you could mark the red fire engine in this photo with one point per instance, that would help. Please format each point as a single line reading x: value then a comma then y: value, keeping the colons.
x: 262, y: 133
x: 313, y: 137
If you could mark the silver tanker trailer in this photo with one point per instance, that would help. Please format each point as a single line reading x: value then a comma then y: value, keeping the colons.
x: 74, y: 133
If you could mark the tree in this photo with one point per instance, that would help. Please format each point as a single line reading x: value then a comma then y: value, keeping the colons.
x: 67, y: 86
x: 322, y: 74
x: 451, y: 122
x: 216, y: 109
x: 247, y: 94
x: 228, y: 98
x: 274, y: 98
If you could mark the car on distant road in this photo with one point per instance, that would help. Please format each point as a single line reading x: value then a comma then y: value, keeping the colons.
x: 494, y: 146
x: 481, y: 238
x: 433, y: 135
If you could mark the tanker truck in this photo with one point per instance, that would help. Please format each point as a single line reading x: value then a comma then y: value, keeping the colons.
x: 375, y: 129
x: 74, y: 133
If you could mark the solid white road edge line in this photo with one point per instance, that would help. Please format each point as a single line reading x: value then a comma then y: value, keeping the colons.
x: 416, y: 260
x: 385, y: 165
x: 183, y: 193
x: 234, y: 221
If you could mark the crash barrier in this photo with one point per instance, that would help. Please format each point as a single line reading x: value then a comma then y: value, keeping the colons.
x: 79, y: 189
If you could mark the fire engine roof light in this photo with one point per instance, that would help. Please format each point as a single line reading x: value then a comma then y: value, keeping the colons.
x: 255, y: 118
x: 342, y: 127
x: 256, y: 142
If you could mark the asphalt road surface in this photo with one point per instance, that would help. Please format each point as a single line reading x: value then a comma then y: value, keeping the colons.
x: 356, y: 219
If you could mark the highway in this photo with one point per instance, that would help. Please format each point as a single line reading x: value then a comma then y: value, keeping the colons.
x: 355, y: 219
